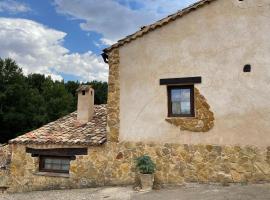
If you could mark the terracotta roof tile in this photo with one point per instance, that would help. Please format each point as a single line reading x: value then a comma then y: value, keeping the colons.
x: 67, y: 130
x: 158, y: 24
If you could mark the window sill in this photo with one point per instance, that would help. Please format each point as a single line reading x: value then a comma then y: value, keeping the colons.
x: 181, y: 117
x: 52, y: 174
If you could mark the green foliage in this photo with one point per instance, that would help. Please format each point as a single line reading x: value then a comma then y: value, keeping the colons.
x: 145, y: 165
x: 28, y: 102
x: 101, y: 91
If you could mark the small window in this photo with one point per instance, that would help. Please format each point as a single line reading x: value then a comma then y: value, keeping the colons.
x: 83, y: 92
x: 181, y: 101
x: 247, y: 68
x: 54, y: 164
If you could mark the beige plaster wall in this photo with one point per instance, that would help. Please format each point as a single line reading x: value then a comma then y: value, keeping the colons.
x: 213, y: 42
x: 85, y: 106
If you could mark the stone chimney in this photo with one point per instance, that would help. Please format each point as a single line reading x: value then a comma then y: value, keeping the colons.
x: 85, y: 108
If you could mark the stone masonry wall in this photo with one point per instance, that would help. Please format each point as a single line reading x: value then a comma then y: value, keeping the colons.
x: 203, y: 120
x: 113, y: 164
x: 113, y: 104
x: 4, y: 166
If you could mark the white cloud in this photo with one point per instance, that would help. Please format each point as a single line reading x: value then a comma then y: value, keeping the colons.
x: 115, y: 19
x: 38, y: 49
x: 104, y: 41
x: 163, y: 7
x: 107, y: 41
x: 13, y: 6
x: 54, y: 77
x: 106, y: 16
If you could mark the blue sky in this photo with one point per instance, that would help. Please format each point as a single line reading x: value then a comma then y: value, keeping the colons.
x: 64, y: 38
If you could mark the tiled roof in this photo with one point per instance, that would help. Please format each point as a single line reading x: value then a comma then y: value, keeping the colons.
x: 69, y: 131
x: 158, y: 24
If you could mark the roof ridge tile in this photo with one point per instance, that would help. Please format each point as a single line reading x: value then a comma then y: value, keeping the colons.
x: 157, y: 24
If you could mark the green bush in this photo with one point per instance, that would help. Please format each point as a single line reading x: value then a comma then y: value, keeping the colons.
x: 145, y: 165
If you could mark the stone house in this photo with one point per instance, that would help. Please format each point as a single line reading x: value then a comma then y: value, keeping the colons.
x: 190, y: 90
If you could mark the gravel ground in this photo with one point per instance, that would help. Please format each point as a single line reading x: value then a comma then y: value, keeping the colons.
x: 188, y: 192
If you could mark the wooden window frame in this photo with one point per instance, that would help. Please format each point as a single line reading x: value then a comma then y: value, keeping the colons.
x: 181, y: 81
x: 62, y: 152
x: 192, y: 100
x: 42, y: 164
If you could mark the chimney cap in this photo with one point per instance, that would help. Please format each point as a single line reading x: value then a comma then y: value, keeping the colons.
x: 83, y: 88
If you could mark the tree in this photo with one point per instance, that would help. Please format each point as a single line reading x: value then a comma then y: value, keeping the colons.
x: 101, y: 91
x: 28, y: 102
x: 36, y: 81
x: 59, y: 102
x: 71, y: 87
x: 16, y: 101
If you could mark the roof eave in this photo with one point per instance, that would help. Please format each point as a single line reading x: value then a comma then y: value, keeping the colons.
x: 146, y: 29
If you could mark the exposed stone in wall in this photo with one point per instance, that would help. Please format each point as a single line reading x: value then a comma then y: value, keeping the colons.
x: 203, y: 120
x: 4, y: 166
x: 113, y: 96
x: 4, y: 156
x: 113, y: 164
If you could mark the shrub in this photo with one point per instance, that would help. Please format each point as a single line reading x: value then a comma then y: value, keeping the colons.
x: 145, y: 165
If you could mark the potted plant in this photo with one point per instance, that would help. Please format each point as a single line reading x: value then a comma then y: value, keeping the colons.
x: 146, y: 168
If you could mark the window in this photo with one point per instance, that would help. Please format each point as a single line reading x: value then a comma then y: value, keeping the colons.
x: 181, y: 101
x: 247, y: 68
x: 55, y: 164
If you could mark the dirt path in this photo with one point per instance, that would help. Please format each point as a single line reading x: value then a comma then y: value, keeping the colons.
x: 189, y: 192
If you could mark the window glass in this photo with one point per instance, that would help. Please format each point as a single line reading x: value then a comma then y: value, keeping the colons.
x: 48, y: 166
x: 55, y: 164
x: 65, y: 167
x: 181, y: 101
